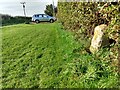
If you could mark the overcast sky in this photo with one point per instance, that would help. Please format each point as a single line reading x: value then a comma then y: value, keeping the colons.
x: 14, y: 8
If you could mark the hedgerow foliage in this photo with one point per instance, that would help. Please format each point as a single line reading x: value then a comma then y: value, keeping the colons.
x: 10, y: 20
x: 82, y: 17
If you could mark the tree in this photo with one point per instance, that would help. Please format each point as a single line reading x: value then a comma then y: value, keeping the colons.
x: 49, y: 10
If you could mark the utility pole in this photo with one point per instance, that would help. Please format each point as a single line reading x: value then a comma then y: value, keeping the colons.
x: 23, y: 3
x: 53, y: 8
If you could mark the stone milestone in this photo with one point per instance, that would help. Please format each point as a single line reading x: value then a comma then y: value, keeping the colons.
x: 97, y: 38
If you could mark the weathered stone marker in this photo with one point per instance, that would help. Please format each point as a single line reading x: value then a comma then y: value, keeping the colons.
x: 97, y: 38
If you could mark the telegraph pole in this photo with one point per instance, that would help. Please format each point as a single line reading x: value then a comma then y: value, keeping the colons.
x: 53, y: 8
x: 23, y: 3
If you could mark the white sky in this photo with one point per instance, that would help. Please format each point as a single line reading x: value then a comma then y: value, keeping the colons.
x: 14, y: 8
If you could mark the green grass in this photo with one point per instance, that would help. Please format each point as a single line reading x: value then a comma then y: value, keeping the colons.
x: 46, y: 56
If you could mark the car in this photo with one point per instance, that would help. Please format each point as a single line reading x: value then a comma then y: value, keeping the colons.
x: 43, y: 18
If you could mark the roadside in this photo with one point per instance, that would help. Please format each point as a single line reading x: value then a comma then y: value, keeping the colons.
x: 46, y: 56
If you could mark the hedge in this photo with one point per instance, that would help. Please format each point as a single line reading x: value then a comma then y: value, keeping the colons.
x: 82, y: 17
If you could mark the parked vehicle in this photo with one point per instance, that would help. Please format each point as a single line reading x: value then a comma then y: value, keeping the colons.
x: 43, y: 18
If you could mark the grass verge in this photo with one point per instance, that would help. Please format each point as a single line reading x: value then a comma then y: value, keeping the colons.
x: 46, y: 56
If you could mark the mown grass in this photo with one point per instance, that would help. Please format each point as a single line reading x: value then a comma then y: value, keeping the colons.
x: 46, y: 56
